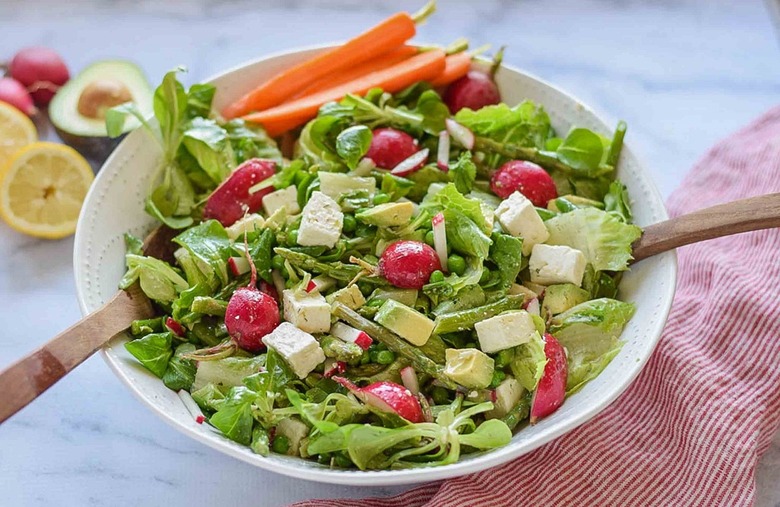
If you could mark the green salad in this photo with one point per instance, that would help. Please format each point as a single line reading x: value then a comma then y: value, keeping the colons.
x: 412, y: 282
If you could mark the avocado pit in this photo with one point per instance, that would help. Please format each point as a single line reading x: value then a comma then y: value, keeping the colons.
x: 101, y: 95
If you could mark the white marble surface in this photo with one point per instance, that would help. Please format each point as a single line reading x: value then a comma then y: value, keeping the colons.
x: 683, y: 74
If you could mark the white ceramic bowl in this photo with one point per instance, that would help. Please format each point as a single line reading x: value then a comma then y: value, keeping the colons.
x: 115, y: 206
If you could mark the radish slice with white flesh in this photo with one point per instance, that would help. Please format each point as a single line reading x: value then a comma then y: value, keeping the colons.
x: 320, y: 283
x: 175, y: 327
x: 238, y: 265
x: 410, y: 380
x: 191, y: 406
x: 349, y: 334
x: 411, y: 164
x: 364, y: 167
x: 443, y: 154
x: 533, y: 307
x: 463, y: 135
x: 551, y: 390
x: 440, y: 239
x: 333, y: 367
x: 387, y: 397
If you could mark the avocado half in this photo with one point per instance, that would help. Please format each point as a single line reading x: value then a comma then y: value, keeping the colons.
x: 78, y: 109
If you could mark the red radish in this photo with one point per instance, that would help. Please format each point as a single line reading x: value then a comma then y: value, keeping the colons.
x: 269, y: 289
x: 387, y: 397
x: 14, y: 93
x: 351, y: 335
x: 232, y: 200
x: 311, y: 286
x: 551, y: 390
x: 525, y: 177
x: 532, y: 307
x: 440, y: 238
x: 41, y: 70
x: 460, y: 133
x: 408, y: 264
x: 410, y: 380
x: 443, y: 153
x: 238, y: 265
x: 411, y: 164
x: 191, y: 406
x: 251, y: 314
x: 333, y: 367
x: 475, y: 90
x: 320, y: 283
x: 389, y: 147
x: 175, y: 327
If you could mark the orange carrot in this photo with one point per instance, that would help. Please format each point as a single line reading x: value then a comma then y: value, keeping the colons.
x: 384, y: 37
x: 380, y: 62
x: 423, y: 67
x: 456, y: 67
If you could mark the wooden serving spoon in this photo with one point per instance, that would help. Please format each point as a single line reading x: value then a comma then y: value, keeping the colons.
x: 26, y: 379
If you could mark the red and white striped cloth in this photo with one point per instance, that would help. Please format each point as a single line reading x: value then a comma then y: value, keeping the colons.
x: 691, y: 428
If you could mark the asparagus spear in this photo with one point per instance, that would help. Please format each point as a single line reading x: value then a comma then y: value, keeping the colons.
x: 146, y: 326
x: 465, y: 319
x: 209, y: 306
x: 519, y: 412
x: 338, y: 270
x: 339, y: 350
x: 420, y: 361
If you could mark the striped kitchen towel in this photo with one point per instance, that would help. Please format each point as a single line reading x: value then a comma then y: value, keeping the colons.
x: 692, y: 427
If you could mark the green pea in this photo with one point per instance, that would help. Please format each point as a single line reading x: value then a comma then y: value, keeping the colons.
x: 440, y: 396
x: 380, y: 346
x: 381, y: 198
x: 429, y: 238
x: 498, y: 377
x: 437, y: 276
x: 365, y: 358
x: 504, y: 357
x: 292, y: 237
x: 485, y: 275
x: 456, y: 264
x: 341, y: 460
x: 281, y: 444
x: 365, y: 288
x: 277, y: 262
x: 349, y: 223
x: 385, y: 357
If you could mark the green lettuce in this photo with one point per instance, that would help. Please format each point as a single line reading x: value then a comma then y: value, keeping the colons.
x: 153, y: 351
x: 525, y: 124
x: 209, y: 244
x: 159, y: 281
x: 506, y: 252
x: 234, y: 418
x: 180, y: 373
x: 529, y: 362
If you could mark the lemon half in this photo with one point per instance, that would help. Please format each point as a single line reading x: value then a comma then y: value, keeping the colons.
x: 16, y: 132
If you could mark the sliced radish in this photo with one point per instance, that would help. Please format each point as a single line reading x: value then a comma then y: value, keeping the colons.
x: 333, y: 367
x: 238, y: 265
x: 191, y: 406
x: 440, y: 239
x: 175, y: 327
x: 463, y: 135
x: 443, y: 154
x: 410, y: 380
x: 351, y: 335
x: 320, y: 283
x: 551, y: 390
x: 311, y: 286
x: 387, y: 397
x: 533, y: 307
x: 364, y: 167
x: 411, y: 164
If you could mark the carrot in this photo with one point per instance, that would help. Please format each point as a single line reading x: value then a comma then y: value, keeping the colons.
x: 384, y: 37
x: 383, y: 61
x: 423, y: 67
x: 455, y: 67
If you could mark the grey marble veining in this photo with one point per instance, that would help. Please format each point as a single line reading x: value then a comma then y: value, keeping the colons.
x: 683, y: 74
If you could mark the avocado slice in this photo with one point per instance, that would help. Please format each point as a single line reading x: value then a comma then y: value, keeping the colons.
x: 391, y: 214
x: 78, y: 110
x: 406, y: 322
x: 560, y: 297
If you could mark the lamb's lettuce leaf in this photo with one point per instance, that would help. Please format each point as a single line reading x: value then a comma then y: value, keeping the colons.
x: 234, y: 418
x: 180, y: 373
x: 208, y: 242
x: 159, y: 281
x: 153, y: 351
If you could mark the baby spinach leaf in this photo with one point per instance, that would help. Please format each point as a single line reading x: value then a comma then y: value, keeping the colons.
x: 352, y: 143
x: 153, y: 351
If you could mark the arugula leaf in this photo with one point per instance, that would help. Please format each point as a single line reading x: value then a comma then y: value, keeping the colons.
x: 234, y: 418
x: 159, y: 281
x: 180, y: 373
x: 353, y: 143
x: 529, y: 362
x: 582, y: 150
x: 153, y: 351
x: 208, y: 143
x: 604, y: 239
x: 208, y: 242
x: 463, y: 173
x: 507, y: 253
x: 616, y: 202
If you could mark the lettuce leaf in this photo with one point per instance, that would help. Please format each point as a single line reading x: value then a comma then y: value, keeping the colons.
x: 159, y: 281
x: 153, y: 351
x: 617, y: 202
x: 467, y: 229
x: 208, y: 243
x: 605, y: 240
x: 234, y: 418
x: 529, y: 362
x: 507, y: 254
x: 591, y: 334
x: 525, y: 124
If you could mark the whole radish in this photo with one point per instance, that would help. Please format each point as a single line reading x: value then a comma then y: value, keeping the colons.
x: 551, y: 390
x: 251, y: 314
x: 387, y: 397
x: 232, y: 199
x: 525, y: 177
x: 475, y: 90
x: 389, y: 147
x: 14, y: 93
x: 41, y: 70
x: 408, y: 264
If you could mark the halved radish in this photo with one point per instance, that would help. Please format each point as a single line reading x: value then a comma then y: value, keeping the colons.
x: 333, y: 367
x: 532, y: 307
x: 320, y: 283
x: 410, y: 380
x: 232, y: 200
x: 443, y: 153
x: 460, y: 133
x: 551, y: 390
x: 440, y: 239
x: 238, y: 265
x: 191, y: 406
x: 411, y: 164
x: 175, y: 327
x: 387, y: 397
x: 351, y: 335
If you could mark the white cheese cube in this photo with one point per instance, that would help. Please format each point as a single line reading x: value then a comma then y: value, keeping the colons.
x: 298, y: 349
x: 550, y: 264
x: 335, y: 184
x: 249, y: 223
x: 505, y: 331
x: 308, y: 311
x: 295, y: 430
x: 508, y: 394
x: 518, y: 217
x: 321, y: 222
x: 287, y: 197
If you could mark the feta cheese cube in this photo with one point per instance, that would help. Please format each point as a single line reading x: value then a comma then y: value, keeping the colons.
x: 249, y: 223
x: 505, y: 331
x: 508, y: 394
x: 308, y: 311
x: 518, y: 217
x: 298, y: 349
x: 335, y: 184
x: 286, y: 197
x: 550, y: 264
x: 321, y: 222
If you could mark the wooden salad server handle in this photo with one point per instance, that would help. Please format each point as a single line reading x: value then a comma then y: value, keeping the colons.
x: 751, y: 214
x: 29, y: 377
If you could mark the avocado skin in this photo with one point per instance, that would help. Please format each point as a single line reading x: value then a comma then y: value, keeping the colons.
x: 95, y: 149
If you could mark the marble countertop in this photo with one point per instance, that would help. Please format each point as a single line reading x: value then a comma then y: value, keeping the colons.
x: 682, y: 74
